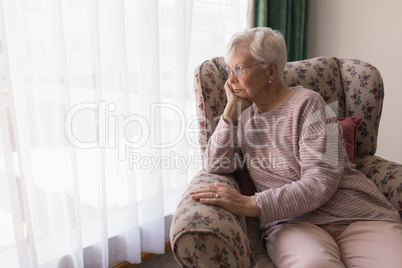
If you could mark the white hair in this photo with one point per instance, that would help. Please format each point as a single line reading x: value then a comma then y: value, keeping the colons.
x: 263, y: 44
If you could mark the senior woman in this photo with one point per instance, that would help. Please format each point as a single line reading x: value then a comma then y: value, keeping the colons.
x: 315, y: 208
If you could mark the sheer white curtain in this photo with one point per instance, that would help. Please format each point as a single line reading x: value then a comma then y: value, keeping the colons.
x: 97, y: 139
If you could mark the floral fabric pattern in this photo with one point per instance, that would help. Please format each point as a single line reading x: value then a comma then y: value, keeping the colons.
x: 209, y: 80
x: 321, y: 75
x: 208, y: 236
x: 364, y: 95
x: 386, y: 175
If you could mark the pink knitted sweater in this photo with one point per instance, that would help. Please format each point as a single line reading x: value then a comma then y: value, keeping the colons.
x: 297, y: 160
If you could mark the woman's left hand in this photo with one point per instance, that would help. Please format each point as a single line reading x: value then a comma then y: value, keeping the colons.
x: 227, y: 198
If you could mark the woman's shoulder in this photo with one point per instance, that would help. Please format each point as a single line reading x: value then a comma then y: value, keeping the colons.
x: 306, y: 93
x: 305, y: 97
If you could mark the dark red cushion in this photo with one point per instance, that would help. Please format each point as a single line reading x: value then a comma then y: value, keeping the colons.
x: 350, y: 126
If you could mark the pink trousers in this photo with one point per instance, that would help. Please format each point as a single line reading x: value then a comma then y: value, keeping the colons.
x: 367, y: 244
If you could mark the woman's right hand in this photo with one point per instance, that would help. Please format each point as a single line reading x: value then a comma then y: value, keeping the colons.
x: 235, y: 105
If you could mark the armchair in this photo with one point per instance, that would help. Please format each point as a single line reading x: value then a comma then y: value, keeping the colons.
x: 209, y: 236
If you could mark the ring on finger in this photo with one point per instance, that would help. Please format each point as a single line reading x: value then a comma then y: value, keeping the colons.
x: 216, y: 196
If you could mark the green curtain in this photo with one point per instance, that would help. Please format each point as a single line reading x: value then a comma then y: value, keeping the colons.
x: 288, y: 16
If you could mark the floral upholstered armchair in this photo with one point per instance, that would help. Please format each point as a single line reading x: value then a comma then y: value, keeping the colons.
x: 208, y: 236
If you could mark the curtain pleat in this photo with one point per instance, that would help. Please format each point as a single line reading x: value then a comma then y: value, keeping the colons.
x: 97, y: 10
x: 260, y: 13
x: 15, y: 196
x: 291, y: 18
x: 75, y: 258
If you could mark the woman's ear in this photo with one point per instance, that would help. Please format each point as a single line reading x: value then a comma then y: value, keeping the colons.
x: 272, y: 70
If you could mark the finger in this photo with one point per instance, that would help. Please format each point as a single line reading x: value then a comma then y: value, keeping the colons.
x: 215, y: 195
x: 199, y: 196
x: 212, y: 201
x: 205, y: 200
x: 228, y: 87
x: 196, y: 196
x: 202, y: 190
x: 211, y: 192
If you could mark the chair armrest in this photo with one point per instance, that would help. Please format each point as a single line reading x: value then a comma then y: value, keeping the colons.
x: 208, y: 236
x: 386, y: 175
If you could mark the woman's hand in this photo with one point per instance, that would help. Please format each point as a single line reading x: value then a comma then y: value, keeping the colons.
x: 227, y: 198
x: 235, y: 105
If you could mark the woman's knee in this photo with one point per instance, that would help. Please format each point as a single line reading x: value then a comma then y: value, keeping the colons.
x: 302, y: 245
x: 374, y: 243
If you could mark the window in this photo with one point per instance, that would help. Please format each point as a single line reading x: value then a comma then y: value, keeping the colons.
x: 84, y: 84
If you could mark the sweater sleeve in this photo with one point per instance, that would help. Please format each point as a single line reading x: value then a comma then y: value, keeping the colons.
x: 321, y: 159
x: 222, y: 153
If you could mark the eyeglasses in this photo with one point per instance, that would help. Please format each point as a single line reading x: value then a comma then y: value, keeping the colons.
x: 237, y: 70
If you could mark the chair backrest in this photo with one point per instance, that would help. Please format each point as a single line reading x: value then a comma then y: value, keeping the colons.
x: 352, y: 88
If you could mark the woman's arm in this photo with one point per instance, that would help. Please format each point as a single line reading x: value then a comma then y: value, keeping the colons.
x: 222, y: 151
x: 222, y: 154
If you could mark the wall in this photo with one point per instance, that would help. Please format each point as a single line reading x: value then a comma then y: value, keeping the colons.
x: 368, y: 30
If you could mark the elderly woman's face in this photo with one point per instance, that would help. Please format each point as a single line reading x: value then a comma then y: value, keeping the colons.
x: 254, y: 80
